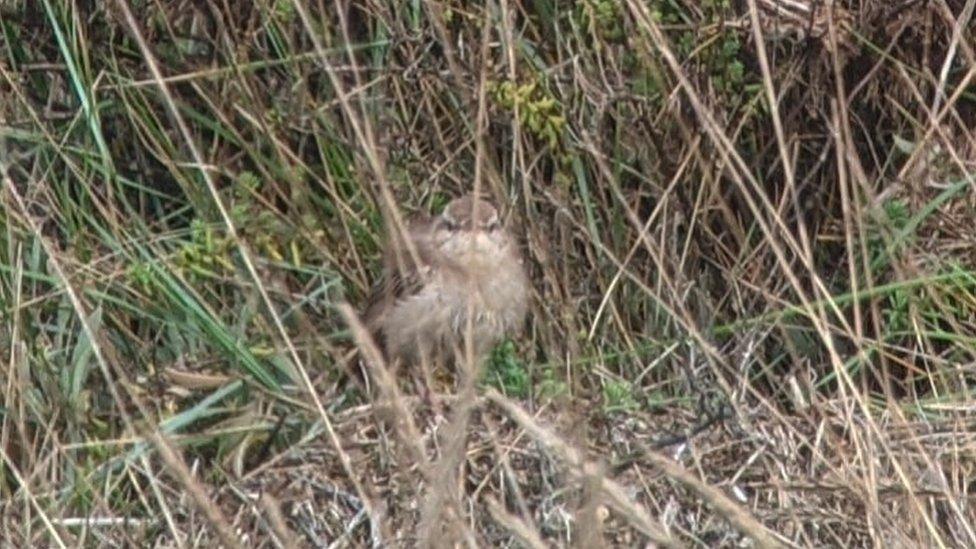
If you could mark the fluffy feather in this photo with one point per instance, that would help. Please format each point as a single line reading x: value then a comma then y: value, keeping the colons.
x: 465, y: 265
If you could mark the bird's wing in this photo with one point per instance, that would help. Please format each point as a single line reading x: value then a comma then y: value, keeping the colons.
x: 403, y: 274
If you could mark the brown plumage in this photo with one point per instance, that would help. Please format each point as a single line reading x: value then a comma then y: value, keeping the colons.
x: 465, y: 262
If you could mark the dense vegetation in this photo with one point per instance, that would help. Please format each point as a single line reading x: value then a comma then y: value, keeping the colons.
x: 749, y: 226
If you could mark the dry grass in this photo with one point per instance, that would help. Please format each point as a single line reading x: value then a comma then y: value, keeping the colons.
x: 749, y: 225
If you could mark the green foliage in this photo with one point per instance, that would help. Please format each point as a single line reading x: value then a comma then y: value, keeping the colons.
x: 205, y: 254
x: 719, y: 49
x: 728, y: 73
x: 552, y: 385
x: 140, y: 274
x: 439, y: 201
x: 506, y: 371
x: 891, y: 220
x: 264, y: 229
x: 602, y: 18
x: 702, y: 42
x: 539, y: 111
x: 896, y: 311
x: 284, y: 10
x: 618, y: 396
x: 666, y: 12
x: 716, y: 5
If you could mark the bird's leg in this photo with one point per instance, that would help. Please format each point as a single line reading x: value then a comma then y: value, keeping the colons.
x: 425, y: 385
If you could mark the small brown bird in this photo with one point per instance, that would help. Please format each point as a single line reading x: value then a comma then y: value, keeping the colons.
x: 464, y: 267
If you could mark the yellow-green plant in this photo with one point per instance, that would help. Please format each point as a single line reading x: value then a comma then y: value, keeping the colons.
x: 537, y: 109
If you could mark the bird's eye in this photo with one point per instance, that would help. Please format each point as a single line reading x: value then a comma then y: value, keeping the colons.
x: 493, y: 225
x: 450, y: 225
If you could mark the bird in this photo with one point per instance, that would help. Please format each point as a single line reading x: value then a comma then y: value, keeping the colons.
x: 445, y: 278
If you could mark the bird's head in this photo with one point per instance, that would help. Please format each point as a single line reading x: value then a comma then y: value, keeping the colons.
x: 470, y: 225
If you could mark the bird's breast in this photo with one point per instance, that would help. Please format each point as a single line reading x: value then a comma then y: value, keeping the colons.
x: 495, y: 293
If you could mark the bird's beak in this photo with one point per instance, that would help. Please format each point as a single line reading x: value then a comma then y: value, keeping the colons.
x: 482, y: 240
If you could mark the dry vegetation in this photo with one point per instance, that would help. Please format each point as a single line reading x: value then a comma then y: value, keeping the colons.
x: 749, y: 224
